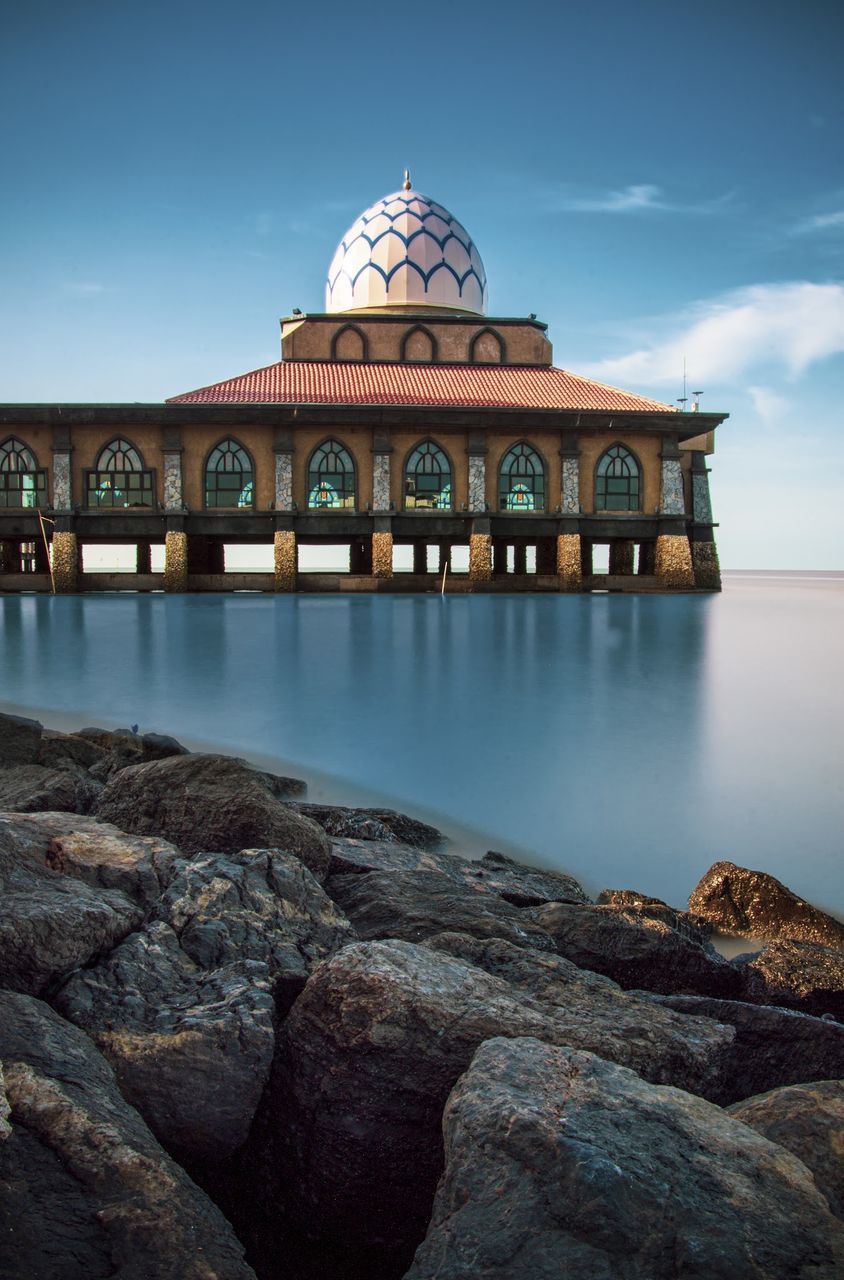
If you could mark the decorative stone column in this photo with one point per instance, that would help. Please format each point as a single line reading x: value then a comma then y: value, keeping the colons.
x: 672, y: 501
x: 171, y: 449
x: 570, y: 474
x: 65, y: 562
x: 621, y: 556
x: 175, y: 560
x: 707, y: 570
x: 381, y: 479
x: 569, y: 562
x: 674, y: 562
x: 284, y: 558
x: 62, y: 490
x: 477, y: 480
x: 283, y: 479
x: 480, y: 552
x: 382, y: 554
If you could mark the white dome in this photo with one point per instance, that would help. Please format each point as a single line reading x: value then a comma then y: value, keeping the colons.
x: 406, y: 251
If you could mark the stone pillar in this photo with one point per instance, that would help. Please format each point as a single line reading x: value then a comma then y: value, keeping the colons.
x: 480, y: 557
x: 173, y: 500
x: 10, y: 556
x: 175, y: 561
x: 143, y: 557
x: 444, y: 560
x: 570, y: 474
x: 674, y: 562
x: 420, y: 556
x: 381, y: 482
x: 519, y: 558
x: 621, y: 556
x: 382, y: 555
x: 570, y: 561
x: 701, y: 501
x: 672, y: 501
x: 546, y: 556
x: 705, y: 564
x: 283, y: 479
x: 499, y: 556
x: 65, y: 563
x: 647, y: 558
x: 586, y: 567
x: 360, y: 556
x: 284, y: 558
x: 477, y: 480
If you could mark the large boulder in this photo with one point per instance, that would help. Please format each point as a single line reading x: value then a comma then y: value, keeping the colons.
x: 808, y: 1120
x: 85, y: 1190
x: 755, y: 905
x: 638, y: 949
x: 372, y: 824
x: 772, y: 1046
x: 798, y: 975
x: 51, y: 923
x: 119, y: 748
x: 561, y: 1164
x: 210, y: 803
x: 20, y: 739
x: 693, y: 927
x: 30, y: 788
x: 347, y: 1142
x: 415, y: 905
x: 521, y: 885
x: 68, y: 751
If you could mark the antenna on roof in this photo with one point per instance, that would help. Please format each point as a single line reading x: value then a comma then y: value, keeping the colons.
x: 407, y: 179
x: 696, y: 401
x: 683, y: 399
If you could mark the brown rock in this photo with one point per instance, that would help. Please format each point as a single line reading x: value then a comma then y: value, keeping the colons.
x: 372, y: 824
x: 560, y: 1164
x: 20, y: 739
x: 30, y: 788
x: 755, y: 905
x: 690, y: 926
x: 808, y: 1120
x: 68, y: 751
x: 798, y: 975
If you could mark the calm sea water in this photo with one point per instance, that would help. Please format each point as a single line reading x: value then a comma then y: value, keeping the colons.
x: 629, y: 740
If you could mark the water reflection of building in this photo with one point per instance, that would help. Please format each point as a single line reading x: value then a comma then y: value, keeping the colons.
x: 402, y: 415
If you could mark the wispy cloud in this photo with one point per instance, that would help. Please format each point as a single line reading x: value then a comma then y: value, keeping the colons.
x: 83, y: 288
x: 821, y: 222
x: 771, y: 408
x: 787, y: 327
x: 642, y: 197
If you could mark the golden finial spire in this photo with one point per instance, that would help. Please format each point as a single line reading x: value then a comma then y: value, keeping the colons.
x: 407, y: 179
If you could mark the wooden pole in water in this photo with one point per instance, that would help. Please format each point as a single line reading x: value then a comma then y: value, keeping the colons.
x: 41, y: 521
x: 445, y: 571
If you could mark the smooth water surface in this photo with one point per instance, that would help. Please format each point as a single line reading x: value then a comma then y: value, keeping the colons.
x: 630, y: 740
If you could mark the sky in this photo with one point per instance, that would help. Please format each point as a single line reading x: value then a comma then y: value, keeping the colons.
x: 659, y: 182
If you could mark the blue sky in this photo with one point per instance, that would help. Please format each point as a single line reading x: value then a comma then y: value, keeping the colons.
x: 657, y: 181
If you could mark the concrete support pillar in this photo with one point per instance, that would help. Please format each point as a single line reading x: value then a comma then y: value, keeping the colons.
x: 705, y: 564
x: 499, y: 556
x: 10, y: 556
x: 546, y: 556
x: 360, y: 556
x: 382, y: 555
x: 206, y: 555
x: 175, y: 561
x: 42, y: 558
x: 143, y: 557
x: 444, y: 561
x: 621, y: 556
x: 570, y: 561
x: 65, y: 563
x: 519, y: 558
x: 674, y: 562
x: 420, y: 556
x: 647, y: 558
x: 284, y: 559
x: 586, y: 567
x: 480, y: 557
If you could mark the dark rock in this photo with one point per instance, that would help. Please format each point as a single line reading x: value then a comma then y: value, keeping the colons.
x: 755, y: 905
x: 120, y: 748
x: 414, y: 905
x: 798, y: 975
x: 808, y: 1120
x: 93, y: 851
x: 30, y: 788
x: 191, y: 1050
x: 773, y: 1047
x: 693, y: 927
x: 560, y: 1164
x: 636, y: 949
x: 524, y: 886
x: 20, y: 739
x: 210, y: 803
x: 68, y: 751
x: 85, y: 1190
x: 351, y: 854
x: 50, y: 923
x: 347, y: 1143
x: 372, y: 824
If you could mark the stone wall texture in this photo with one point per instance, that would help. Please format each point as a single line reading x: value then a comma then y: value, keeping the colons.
x: 672, y: 502
x: 570, y: 496
x: 175, y: 561
x: 284, y: 482
x: 707, y: 570
x: 674, y: 562
x: 701, y: 502
x: 621, y: 556
x: 480, y: 557
x: 173, y: 481
x: 381, y: 484
x: 284, y: 558
x: 65, y: 563
x: 568, y: 562
x: 477, y: 482
x: 62, y: 496
x: 382, y: 555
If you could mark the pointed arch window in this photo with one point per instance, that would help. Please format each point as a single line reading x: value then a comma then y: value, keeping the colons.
x: 427, y: 479
x: 521, y: 480
x: 22, y: 483
x: 229, y: 476
x: 618, y: 481
x: 119, y: 478
x: 331, y: 478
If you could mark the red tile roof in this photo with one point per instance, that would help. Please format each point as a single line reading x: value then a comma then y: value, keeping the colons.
x: 438, y: 385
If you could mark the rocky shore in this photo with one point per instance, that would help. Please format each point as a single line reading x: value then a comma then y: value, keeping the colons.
x: 242, y: 1035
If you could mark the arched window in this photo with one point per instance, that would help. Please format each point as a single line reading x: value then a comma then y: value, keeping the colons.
x: 21, y: 482
x: 521, y: 480
x: 486, y: 348
x: 349, y: 343
x: 331, y: 477
x: 119, y: 478
x: 617, y: 483
x: 228, y: 476
x: 418, y: 346
x: 427, y: 479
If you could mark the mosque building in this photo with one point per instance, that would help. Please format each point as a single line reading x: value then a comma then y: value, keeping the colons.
x: 402, y: 416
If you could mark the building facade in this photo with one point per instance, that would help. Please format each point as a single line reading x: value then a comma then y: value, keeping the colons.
x: 401, y: 416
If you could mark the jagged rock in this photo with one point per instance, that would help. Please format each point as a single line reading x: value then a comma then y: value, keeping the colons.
x: 30, y: 788
x: 347, y: 1142
x: 755, y: 905
x: 524, y: 886
x: 20, y: 739
x: 191, y: 1049
x: 357, y: 854
x: 693, y: 927
x: 798, y: 975
x: 96, y: 852
x: 808, y: 1120
x: 773, y: 1047
x: 68, y: 751
x: 414, y: 905
x: 210, y: 803
x: 637, y: 950
x: 85, y: 1190
x: 120, y: 748
x: 372, y: 824
x: 561, y: 1164
x: 50, y: 923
